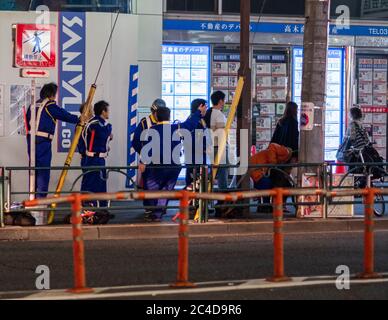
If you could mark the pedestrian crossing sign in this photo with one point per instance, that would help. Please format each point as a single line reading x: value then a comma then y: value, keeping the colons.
x: 35, y: 46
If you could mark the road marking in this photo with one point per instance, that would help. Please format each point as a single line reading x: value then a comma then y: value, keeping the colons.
x: 216, y: 286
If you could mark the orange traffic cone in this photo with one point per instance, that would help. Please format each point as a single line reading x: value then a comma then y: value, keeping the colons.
x: 340, y: 169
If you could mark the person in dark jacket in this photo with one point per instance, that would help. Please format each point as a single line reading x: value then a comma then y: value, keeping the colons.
x: 197, y: 155
x: 287, y: 129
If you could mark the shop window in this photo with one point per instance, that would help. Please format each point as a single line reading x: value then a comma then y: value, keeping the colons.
x: 192, y: 5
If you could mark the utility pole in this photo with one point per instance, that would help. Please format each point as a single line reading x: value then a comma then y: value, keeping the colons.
x: 244, y: 111
x: 315, y: 45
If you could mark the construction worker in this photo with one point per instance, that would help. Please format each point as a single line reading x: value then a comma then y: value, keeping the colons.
x: 144, y: 124
x: 162, y: 175
x: 94, y: 149
x: 47, y: 114
x: 274, y: 154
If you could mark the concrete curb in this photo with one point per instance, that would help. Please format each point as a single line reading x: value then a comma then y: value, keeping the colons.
x: 169, y: 230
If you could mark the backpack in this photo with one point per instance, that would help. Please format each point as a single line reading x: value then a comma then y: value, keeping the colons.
x: 342, y: 154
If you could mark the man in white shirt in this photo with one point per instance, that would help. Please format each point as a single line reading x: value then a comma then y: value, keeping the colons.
x: 216, y: 120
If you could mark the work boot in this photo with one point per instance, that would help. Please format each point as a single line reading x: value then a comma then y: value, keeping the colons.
x: 24, y: 219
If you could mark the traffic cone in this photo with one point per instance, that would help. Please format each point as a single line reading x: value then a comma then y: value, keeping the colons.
x: 340, y: 169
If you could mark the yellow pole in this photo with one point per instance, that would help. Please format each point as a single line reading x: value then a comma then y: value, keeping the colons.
x: 224, y: 138
x: 86, y: 112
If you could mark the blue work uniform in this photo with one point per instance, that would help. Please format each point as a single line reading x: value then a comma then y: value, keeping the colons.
x: 144, y: 124
x: 197, y: 155
x: 47, y: 114
x: 163, y: 176
x: 93, y: 147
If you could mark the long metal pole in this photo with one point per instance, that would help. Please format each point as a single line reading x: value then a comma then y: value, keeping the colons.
x: 33, y: 139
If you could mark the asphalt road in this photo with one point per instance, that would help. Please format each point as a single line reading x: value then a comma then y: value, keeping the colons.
x: 141, y: 262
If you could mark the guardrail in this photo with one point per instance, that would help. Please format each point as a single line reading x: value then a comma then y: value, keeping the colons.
x: 324, y: 172
x: 182, y: 279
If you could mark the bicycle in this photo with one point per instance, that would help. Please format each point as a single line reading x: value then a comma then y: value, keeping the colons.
x: 364, y: 178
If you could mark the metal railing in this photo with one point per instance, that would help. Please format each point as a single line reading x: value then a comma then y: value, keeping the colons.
x: 182, y: 279
x: 323, y: 172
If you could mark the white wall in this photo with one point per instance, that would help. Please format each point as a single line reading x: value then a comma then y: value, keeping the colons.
x: 137, y: 40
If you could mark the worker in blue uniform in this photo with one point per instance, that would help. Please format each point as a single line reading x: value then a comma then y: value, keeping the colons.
x: 144, y: 124
x: 162, y: 174
x: 47, y: 114
x: 94, y: 149
x: 197, y: 156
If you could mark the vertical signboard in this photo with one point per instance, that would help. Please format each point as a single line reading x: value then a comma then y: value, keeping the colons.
x: 72, y: 39
x: 334, y: 96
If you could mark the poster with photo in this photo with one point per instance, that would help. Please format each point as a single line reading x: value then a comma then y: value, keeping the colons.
x: 279, y: 82
x: 263, y: 123
x: 220, y: 82
x: 220, y: 68
x: 279, y: 94
x: 310, y: 211
x: 365, y: 100
x: 182, y: 74
x: 379, y: 118
x: 380, y: 101
x: 341, y: 211
x: 280, y: 108
x: 263, y: 135
x: 379, y: 130
x: 379, y: 76
x: 279, y: 69
x: 182, y: 61
x: 263, y: 68
x: 232, y: 82
x: 231, y: 96
x: 233, y: 67
x: 264, y: 94
x: 365, y: 88
x: 267, y: 109
x: 380, y: 88
x: 365, y: 75
x: 264, y: 82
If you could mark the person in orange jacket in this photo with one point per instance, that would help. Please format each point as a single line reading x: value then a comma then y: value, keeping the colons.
x: 274, y: 154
